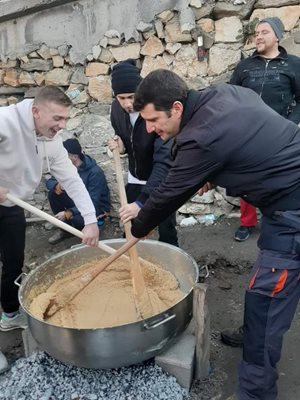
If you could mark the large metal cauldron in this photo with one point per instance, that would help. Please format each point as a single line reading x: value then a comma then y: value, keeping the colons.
x: 117, y: 346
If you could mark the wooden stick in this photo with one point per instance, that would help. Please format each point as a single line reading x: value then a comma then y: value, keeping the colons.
x: 142, y: 300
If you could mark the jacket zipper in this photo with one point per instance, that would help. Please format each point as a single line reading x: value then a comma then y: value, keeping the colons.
x: 263, y: 82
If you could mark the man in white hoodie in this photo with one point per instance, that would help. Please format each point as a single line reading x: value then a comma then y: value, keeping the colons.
x: 29, y: 146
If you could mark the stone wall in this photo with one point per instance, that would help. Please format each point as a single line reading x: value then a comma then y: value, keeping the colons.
x: 160, y: 35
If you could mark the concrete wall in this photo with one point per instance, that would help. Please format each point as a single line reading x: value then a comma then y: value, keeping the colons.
x: 80, y: 24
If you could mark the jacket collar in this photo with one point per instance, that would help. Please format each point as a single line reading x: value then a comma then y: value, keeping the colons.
x: 282, y: 54
x: 189, y: 106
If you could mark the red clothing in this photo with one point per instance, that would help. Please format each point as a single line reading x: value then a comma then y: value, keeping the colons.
x: 248, y: 214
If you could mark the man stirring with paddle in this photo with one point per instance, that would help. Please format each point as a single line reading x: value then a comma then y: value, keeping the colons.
x: 29, y: 146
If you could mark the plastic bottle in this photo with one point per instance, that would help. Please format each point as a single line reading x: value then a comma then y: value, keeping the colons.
x: 73, y: 93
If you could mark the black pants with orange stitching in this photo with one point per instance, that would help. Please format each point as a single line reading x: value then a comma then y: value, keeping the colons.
x: 270, y: 305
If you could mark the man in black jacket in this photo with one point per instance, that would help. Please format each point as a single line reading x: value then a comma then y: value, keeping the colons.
x: 149, y: 157
x: 262, y: 165
x: 275, y: 76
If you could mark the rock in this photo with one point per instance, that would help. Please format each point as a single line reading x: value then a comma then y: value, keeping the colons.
x: 228, y: 30
x: 82, y: 98
x: 74, y: 123
x: 296, y: 36
x: 203, y: 11
x: 103, y: 42
x: 53, y: 51
x: 58, y: 76
x: 12, y: 100
x: 96, y: 68
x: 25, y: 59
x: 148, y: 34
x: 274, y: 3
x: 206, y: 198
x: 289, y: 15
x: 159, y: 28
x: 99, y: 88
x: 75, y: 57
x: 222, y: 58
x: 58, y: 61
x: 197, y: 83
x: 173, y: 32
x: 168, y: 58
x: 63, y: 50
x: 126, y: 51
x: 153, y: 47
x: 11, y: 78
x: 106, y: 56
x: 291, y: 46
x: 225, y: 9
x: 79, y: 76
x: 26, y: 79
x: 166, y: 16
x: 143, y: 27
x: 8, y: 64
x: 196, y: 3
x: 96, y: 50
x: 39, y: 78
x: 208, y: 40
x: 2, y: 73
x: 187, y: 20
x: 33, y: 54
x: 114, y: 41
x: 36, y: 64
x: 98, y: 108
x: 206, y: 25
x: 112, y: 33
x: 190, y: 221
x: 3, y: 102
x: 44, y: 52
x: 151, y: 64
x: 172, y: 48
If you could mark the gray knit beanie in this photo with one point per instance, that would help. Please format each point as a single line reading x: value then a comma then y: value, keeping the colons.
x: 276, y: 24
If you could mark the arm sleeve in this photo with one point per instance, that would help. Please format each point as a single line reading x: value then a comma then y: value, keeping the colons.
x: 67, y: 175
x: 114, y: 123
x: 192, y: 168
x: 161, y: 165
x: 99, y: 193
x: 235, y: 77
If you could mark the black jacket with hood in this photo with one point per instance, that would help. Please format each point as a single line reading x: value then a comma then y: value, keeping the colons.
x: 149, y: 157
x: 262, y: 165
x: 277, y: 81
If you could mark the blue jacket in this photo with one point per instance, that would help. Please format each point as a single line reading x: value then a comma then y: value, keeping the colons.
x: 261, y: 165
x: 276, y: 81
x: 94, y: 180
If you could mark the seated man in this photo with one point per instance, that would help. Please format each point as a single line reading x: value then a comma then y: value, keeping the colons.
x: 94, y: 180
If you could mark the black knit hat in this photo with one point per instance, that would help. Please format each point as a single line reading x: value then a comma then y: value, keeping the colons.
x: 125, y: 77
x: 73, y: 146
x: 276, y: 24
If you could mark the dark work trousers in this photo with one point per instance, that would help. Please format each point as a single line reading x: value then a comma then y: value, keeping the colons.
x: 62, y: 202
x: 12, y: 247
x: 167, y: 229
x: 270, y: 305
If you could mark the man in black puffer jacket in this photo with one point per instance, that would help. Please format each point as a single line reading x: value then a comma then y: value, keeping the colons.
x: 228, y: 136
x: 149, y: 157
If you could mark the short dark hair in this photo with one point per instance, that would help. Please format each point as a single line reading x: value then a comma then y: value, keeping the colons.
x: 52, y: 94
x: 161, y: 88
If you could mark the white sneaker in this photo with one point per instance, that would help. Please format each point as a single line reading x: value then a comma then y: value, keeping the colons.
x: 10, y: 323
x: 3, y: 363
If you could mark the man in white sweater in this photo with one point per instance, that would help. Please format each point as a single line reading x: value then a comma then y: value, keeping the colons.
x: 29, y: 146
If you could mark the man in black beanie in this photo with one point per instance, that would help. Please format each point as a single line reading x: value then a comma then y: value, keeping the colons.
x: 275, y: 76
x: 149, y: 157
x: 95, y: 182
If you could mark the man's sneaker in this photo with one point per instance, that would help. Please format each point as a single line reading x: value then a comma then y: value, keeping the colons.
x: 233, y: 337
x: 58, y: 236
x: 3, y: 363
x: 243, y: 233
x: 10, y: 323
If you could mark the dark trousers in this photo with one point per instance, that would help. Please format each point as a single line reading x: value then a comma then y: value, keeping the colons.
x: 12, y: 247
x: 63, y: 202
x: 270, y: 305
x: 167, y: 229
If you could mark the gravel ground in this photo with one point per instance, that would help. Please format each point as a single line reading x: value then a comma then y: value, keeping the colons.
x: 40, y: 377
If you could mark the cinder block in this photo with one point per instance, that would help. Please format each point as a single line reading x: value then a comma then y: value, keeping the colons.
x: 179, y: 360
x: 30, y: 345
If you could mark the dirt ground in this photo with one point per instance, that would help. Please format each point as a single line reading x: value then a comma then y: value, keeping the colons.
x: 229, y: 265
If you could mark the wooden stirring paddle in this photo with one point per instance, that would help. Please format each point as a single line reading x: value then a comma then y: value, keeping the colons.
x: 140, y: 292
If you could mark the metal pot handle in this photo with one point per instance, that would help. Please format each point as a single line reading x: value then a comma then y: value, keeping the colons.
x: 19, y: 278
x: 158, y: 321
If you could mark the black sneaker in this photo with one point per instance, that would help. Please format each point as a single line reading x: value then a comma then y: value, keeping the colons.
x: 243, y: 233
x: 233, y: 337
